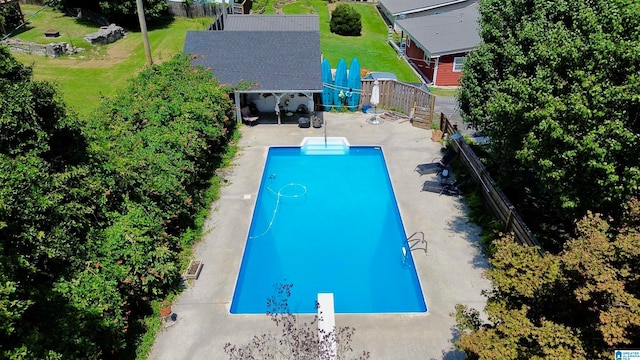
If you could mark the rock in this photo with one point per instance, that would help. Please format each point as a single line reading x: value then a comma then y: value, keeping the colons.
x: 106, y: 35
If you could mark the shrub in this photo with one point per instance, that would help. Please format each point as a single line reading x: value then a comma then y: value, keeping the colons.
x: 345, y: 20
x: 296, y: 339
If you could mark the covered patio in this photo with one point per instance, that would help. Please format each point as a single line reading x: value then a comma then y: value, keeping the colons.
x: 272, y: 68
x: 271, y: 118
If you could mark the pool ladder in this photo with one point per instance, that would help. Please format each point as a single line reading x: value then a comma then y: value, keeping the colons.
x: 415, y: 242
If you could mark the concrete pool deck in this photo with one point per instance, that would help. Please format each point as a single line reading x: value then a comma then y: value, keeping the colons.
x: 450, y: 274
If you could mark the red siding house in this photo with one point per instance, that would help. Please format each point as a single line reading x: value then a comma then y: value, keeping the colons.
x: 437, y: 44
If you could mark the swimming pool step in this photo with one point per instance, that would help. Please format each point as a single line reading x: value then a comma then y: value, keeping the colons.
x: 321, y: 149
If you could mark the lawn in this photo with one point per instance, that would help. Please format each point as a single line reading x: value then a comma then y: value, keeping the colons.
x: 98, y: 70
x: 370, y: 47
x: 71, y: 32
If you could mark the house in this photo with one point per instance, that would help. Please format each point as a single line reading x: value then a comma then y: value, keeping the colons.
x: 437, y: 44
x: 278, y: 54
x: 393, y: 10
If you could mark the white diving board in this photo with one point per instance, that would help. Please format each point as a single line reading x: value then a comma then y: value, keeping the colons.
x: 327, y: 325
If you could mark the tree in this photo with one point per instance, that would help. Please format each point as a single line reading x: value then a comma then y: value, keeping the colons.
x: 296, y: 339
x: 123, y: 12
x: 93, y: 216
x: 10, y: 17
x: 581, y: 303
x: 555, y: 86
x: 47, y: 210
x: 345, y: 20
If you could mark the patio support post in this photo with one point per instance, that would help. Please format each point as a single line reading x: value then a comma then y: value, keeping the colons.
x: 237, y: 99
x: 310, y: 104
x: 278, y: 97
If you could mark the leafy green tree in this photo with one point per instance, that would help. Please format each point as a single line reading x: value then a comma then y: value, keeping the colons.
x: 555, y: 86
x: 93, y: 216
x: 10, y: 17
x: 579, y: 304
x: 120, y: 11
x: 345, y: 20
x: 47, y: 209
x: 154, y: 148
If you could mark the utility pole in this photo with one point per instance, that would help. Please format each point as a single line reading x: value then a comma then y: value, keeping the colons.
x: 143, y: 30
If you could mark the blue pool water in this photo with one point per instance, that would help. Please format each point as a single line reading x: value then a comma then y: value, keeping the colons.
x: 327, y: 223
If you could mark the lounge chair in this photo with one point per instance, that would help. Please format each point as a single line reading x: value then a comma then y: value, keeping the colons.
x: 247, y: 117
x: 436, y: 166
x: 445, y: 188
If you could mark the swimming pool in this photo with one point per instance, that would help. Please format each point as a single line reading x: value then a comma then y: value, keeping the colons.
x: 327, y: 224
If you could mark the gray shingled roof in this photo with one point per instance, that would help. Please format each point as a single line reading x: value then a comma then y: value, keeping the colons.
x: 446, y: 33
x: 276, y: 60
x: 396, y: 7
x: 271, y: 23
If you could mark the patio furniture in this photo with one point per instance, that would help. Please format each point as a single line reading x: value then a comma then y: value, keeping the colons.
x: 436, y: 166
x: 304, y: 122
x: 247, y: 117
x: 445, y: 188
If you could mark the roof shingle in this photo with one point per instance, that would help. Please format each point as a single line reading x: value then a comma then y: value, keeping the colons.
x: 445, y: 33
x: 276, y: 60
x: 406, y: 6
x: 271, y: 23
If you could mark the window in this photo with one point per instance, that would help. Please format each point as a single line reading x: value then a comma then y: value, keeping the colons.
x: 457, y: 63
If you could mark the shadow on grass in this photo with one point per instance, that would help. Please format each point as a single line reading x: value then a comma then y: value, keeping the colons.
x: 156, y: 24
x: 19, y: 31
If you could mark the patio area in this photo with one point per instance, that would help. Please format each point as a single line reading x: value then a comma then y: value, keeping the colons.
x: 450, y: 273
x: 270, y: 118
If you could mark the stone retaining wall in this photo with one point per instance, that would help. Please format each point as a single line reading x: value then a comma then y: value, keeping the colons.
x: 50, y: 50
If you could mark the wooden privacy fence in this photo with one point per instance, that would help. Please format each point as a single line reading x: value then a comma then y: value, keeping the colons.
x: 491, y: 193
x: 401, y: 97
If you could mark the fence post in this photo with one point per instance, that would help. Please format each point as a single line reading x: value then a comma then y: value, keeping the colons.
x: 509, y: 221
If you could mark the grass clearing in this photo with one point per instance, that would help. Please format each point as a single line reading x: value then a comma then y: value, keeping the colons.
x: 371, y: 48
x: 99, y: 70
x: 71, y: 30
x: 83, y: 79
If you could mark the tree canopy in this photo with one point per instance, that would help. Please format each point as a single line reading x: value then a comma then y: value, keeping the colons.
x: 345, y: 20
x: 93, y: 216
x: 580, y: 304
x: 556, y: 86
x: 119, y: 11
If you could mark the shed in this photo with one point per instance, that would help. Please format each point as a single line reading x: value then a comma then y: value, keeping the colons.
x: 278, y: 54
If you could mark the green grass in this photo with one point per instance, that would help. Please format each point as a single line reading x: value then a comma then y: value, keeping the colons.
x: 438, y: 91
x: 71, y: 30
x: 99, y: 70
x: 370, y: 47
